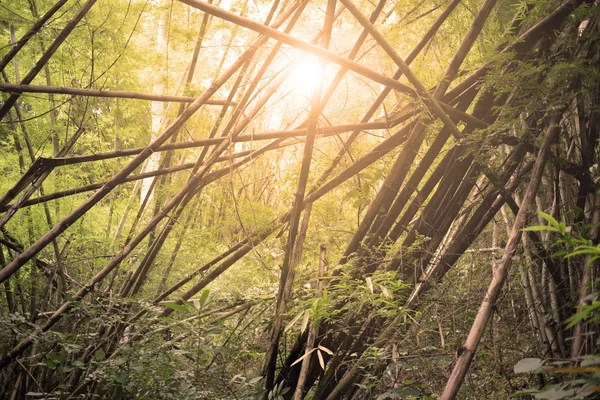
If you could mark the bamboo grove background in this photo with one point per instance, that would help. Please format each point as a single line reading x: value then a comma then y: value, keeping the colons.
x: 186, y: 213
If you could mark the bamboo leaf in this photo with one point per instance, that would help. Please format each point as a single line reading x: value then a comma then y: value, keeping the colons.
x: 197, y: 304
x: 293, y: 321
x: 326, y: 350
x: 321, y: 361
x: 370, y: 284
x: 385, y: 292
x: 204, y: 297
x: 550, y: 219
x: 305, y: 320
x: 176, y: 307
x: 529, y: 365
x: 302, y: 358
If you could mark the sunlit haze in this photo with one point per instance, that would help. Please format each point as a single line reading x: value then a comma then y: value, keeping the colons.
x: 307, y: 75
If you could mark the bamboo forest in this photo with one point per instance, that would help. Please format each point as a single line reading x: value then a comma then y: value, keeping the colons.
x: 300, y: 199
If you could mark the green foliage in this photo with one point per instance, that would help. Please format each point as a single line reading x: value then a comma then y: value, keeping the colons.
x: 586, y: 379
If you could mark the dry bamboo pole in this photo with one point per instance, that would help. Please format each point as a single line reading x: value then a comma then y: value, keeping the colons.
x: 293, y: 247
x: 477, y: 329
x: 421, y: 91
x: 332, y: 57
x: 118, y: 94
x: 295, y: 133
x: 464, y: 48
x: 314, y: 328
x: 46, y: 56
x: 32, y: 31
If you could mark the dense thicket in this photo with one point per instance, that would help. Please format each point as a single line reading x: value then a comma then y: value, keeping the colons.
x: 294, y: 199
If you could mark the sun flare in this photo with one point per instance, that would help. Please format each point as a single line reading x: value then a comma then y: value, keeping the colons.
x: 307, y: 75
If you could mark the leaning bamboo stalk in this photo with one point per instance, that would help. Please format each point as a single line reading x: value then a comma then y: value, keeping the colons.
x: 118, y: 94
x: 325, y: 131
x: 384, y: 93
x: 310, y: 341
x: 46, y: 56
x: 329, y: 56
x: 294, y: 247
x: 421, y: 91
x: 478, y: 327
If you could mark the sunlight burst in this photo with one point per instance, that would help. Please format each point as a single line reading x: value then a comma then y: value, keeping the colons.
x: 307, y: 75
